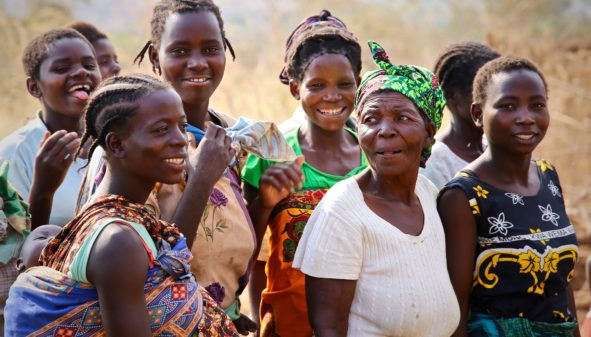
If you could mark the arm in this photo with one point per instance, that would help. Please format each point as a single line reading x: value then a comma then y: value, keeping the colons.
x: 117, y: 267
x: 205, y: 166
x: 460, y: 229
x: 256, y: 285
x: 52, y: 162
x: 329, y: 303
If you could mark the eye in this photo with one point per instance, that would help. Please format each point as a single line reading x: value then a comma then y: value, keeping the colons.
x: 162, y: 129
x: 62, y: 69
x: 404, y: 118
x: 369, y: 119
x: 178, y: 51
x: 347, y: 85
x: 539, y: 105
x: 212, y: 50
x: 90, y: 66
x: 184, y: 126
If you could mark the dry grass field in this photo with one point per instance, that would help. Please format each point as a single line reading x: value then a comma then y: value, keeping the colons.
x: 553, y: 33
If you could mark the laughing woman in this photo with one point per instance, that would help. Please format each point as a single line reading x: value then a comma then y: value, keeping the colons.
x: 373, y: 251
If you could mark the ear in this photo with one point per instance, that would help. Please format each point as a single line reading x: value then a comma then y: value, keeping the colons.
x: 114, y: 144
x: 20, y: 265
x: 430, y: 128
x: 154, y: 59
x: 33, y: 87
x: 294, y: 88
x: 476, y: 113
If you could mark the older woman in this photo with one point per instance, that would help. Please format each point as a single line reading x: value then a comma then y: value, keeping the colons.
x: 374, y: 251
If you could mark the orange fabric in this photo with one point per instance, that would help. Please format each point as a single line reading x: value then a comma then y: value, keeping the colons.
x: 284, y: 310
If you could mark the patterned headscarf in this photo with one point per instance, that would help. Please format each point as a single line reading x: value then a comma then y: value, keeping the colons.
x: 323, y: 24
x: 417, y: 83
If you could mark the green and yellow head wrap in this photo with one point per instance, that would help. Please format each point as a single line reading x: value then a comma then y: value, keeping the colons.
x: 417, y: 83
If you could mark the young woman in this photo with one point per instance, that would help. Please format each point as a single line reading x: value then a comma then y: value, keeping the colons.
x: 514, y: 248
x: 116, y: 269
x: 374, y: 251
x: 323, y: 61
x: 461, y: 141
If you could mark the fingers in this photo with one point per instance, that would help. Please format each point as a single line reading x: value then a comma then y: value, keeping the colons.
x: 61, y: 145
x: 283, y: 177
x: 192, y: 141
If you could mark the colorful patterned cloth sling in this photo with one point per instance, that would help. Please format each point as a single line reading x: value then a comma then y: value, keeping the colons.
x: 45, y: 301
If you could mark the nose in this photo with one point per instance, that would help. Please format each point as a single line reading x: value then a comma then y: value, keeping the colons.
x: 81, y: 71
x: 179, y: 138
x: 387, y: 129
x: 525, y: 116
x: 332, y: 96
x: 196, y: 61
x: 115, y: 68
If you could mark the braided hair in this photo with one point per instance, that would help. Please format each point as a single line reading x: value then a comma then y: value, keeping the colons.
x: 112, y: 104
x: 457, y: 65
x: 164, y: 8
x: 505, y: 64
x: 37, y: 50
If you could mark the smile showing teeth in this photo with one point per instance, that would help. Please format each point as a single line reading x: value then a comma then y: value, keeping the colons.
x: 198, y: 80
x: 388, y: 153
x: 525, y: 136
x: 331, y: 112
x: 84, y: 87
x: 176, y: 161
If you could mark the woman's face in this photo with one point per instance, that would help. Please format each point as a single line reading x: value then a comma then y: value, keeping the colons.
x: 327, y: 91
x: 191, y: 55
x: 392, y: 133
x: 67, y: 76
x: 106, y: 58
x: 515, y: 114
x: 153, y: 142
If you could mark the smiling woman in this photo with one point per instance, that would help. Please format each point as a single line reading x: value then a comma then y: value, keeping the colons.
x: 373, y: 251
x: 116, y: 257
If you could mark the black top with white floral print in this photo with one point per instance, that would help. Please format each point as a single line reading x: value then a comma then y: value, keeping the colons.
x: 526, y: 249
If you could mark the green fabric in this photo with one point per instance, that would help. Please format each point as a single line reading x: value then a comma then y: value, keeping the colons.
x: 80, y: 262
x: 417, y: 83
x: 15, y: 220
x: 233, y: 311
x: 315, y: 179
x: 14, y: 207
x: 483, y: 325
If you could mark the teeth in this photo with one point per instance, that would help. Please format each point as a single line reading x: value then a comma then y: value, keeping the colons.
x: 330, y: 111
x: 525, y: 137
x: 84, y: 87
x: 198, y: 80
x: 174, y: 160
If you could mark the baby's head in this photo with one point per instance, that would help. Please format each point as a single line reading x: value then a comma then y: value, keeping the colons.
x: 34, y: 244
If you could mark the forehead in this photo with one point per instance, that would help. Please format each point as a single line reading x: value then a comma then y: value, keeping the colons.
x: 160, y: 103
x: 329, y: 63
x: 103, y: 46
x: 522, y: 82
x: 192, y: 26
x: 387, y: 100
x: 69, y: 48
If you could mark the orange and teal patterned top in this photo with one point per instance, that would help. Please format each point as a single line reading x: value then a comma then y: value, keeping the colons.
x: 526, y: 249
x: 284, y: 310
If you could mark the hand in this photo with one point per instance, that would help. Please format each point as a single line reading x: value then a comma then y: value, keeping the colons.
x: 54, y: 157
x: 245, y: 325
x: 278, y: 181
x: 212, y: 156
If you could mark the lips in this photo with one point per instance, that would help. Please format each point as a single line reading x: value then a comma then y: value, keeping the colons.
x: 197, y: 80
x: 177, y: 163
x: 525, y: 136
x: 80, y: 91
x: 331, y: 111
x: 390, y: 153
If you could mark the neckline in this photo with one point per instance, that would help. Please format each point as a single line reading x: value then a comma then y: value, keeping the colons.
x: 413, y: 238
x: 298, y: 151
x: 473, y: 175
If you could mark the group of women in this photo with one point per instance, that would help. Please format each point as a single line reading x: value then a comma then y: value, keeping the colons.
x: 165, y: 212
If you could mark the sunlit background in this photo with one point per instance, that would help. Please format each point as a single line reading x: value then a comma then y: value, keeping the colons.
x: 556, y: 34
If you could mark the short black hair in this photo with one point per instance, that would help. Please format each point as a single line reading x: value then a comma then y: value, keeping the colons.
x: 505, y: 64
x: 164, y: 8
x: 90, y: 32
x: 313, y: 47
x: 457, y: 65
x: 110, y: 106
x: 36, y: 51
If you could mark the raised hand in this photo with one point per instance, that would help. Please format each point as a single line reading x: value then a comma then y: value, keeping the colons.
x: 278, y: 181
x: 211, y: 157
x: 54, y: 157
